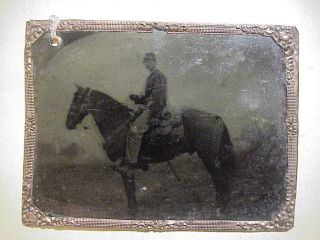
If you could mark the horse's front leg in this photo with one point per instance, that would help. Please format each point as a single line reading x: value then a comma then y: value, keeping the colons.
x: 129, y: 186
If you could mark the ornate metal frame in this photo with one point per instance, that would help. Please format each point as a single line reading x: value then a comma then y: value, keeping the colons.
x: 285, y: 36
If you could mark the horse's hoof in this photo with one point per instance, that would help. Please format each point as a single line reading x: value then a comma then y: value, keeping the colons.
x: 126, y: 165
x: 218, y: 213
x: 133, y: 212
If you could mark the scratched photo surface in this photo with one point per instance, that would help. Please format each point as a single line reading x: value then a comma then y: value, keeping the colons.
x: 239, y: 78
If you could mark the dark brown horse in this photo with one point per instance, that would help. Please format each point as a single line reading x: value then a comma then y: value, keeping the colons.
x: 203, y: 133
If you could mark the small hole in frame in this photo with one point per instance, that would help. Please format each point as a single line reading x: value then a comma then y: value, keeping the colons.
x: 55, y: 41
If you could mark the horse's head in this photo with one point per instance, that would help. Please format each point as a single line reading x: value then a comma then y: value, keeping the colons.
x: 79, y: 107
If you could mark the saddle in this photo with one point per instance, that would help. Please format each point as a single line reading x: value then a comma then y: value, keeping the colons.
x: 166, y: 130
x: 164, y: 140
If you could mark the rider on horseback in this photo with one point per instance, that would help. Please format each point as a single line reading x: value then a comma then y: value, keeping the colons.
x: 151, y: 106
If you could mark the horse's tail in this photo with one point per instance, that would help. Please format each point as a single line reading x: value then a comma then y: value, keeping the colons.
x: 225, y: 169
x: 226, y: 152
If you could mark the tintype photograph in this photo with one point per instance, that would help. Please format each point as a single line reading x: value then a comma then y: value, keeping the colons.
x: 149, y: 126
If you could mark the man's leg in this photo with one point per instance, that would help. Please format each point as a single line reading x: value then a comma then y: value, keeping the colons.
x: 136, y: 132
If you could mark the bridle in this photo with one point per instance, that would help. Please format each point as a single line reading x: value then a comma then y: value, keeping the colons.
x: 86, y: 104
x: 83, y: 108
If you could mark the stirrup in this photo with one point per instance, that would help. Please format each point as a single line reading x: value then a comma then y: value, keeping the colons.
x: 139, y: 164
x: 128, y: 164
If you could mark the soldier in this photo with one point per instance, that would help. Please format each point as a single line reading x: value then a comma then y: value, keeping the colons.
x: 152, y: 104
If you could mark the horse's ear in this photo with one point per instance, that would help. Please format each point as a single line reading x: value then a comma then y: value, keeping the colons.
x: 80, y: 89
x: 86, y: 91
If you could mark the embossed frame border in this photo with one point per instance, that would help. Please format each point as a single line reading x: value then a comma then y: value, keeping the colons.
x: 285, y: 36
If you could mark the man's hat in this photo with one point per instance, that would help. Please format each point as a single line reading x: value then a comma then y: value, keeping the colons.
x: 149, y: 56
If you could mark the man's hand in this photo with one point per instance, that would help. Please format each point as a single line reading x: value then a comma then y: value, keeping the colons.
x: 134, y: 97
x: 141, y: 107
x: 149, y: 104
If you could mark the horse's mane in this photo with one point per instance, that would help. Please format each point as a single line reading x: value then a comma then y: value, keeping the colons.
x: 107, y: 105
x: 101, y: 97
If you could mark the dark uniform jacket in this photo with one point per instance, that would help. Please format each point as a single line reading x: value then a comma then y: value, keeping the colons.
x: 155, y: 91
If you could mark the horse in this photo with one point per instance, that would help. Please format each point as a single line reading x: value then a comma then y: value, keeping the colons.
x: 203, y: 133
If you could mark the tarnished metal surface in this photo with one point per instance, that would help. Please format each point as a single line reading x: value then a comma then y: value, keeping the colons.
x: 285, y: 36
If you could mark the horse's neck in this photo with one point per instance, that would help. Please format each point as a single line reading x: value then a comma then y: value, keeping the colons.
x: 109, y: 115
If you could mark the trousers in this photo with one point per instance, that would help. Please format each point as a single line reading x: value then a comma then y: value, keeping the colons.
x: 135, y: 134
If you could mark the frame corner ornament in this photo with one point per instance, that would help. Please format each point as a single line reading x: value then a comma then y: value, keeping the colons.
x: 34, y: 30
x: 284, y: 36
x: 32, y: 216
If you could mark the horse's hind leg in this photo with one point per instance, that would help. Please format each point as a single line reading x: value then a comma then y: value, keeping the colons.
x: 220, y: 180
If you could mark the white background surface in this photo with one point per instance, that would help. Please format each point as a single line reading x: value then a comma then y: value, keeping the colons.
x: 14, y: 14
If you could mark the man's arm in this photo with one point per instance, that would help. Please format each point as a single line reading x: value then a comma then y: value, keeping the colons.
x: 159, y: 95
